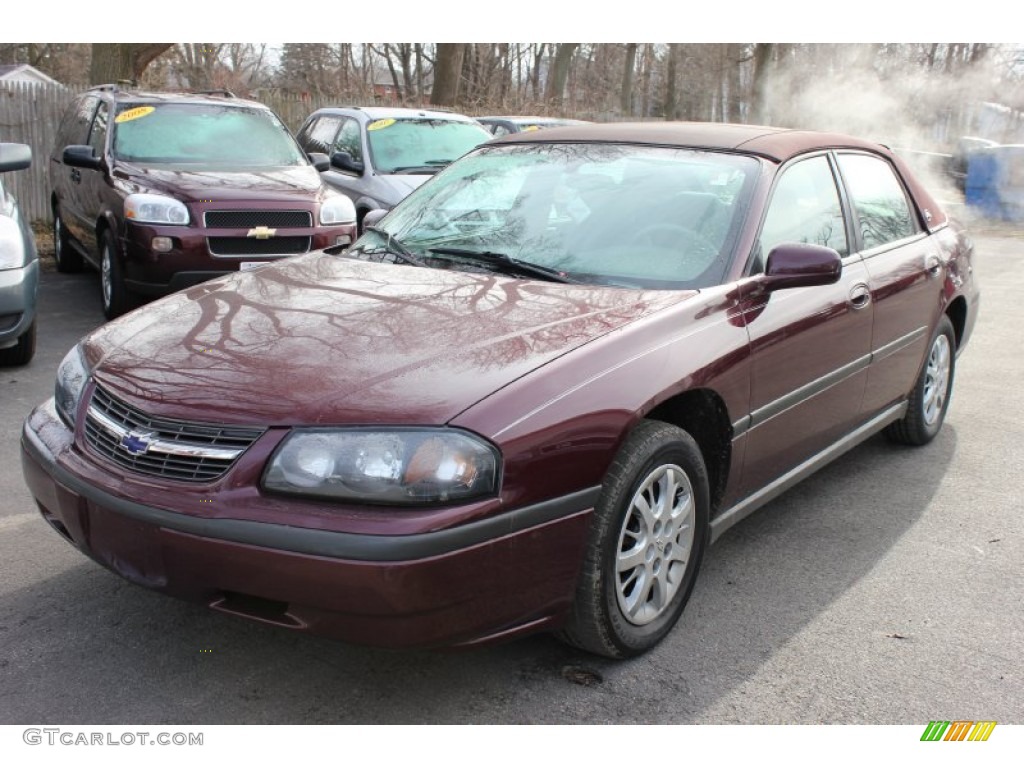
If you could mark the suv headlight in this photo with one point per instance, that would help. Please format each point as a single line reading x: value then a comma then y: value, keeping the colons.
x: 155, y: 209
x: 72, y: 375
x: 337, y: 209
x: 406, y: 467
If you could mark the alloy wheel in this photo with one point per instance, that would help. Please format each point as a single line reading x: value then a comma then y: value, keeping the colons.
x: 936, y: 381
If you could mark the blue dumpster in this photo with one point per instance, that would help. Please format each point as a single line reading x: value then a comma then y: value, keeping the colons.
x: 995, y: 182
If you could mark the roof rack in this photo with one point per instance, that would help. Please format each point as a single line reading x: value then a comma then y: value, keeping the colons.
x: 215, y: 92
x: 114, y: 87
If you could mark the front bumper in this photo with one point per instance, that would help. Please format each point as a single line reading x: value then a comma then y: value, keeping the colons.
x: 492, y: 579
x: 190, y: 262
x: 18, y: 292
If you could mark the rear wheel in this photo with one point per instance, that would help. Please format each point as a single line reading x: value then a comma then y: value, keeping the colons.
x: 648, y: 538
x: 22, y: 352
x: 928, y: 401
x: 67, y: 258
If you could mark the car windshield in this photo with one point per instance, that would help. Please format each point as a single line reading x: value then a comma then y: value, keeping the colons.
x: 204, y: 135
x: 610, y: 214
x: 420, y: 145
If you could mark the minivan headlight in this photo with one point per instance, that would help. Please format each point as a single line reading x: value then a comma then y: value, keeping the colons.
x: 337, y: 209
x: 145, y: 208
x: 72, y: 375
x: 405, y: 467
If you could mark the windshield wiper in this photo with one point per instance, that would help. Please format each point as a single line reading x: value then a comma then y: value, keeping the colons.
x: 417, y: 169
x: 504, y: 263
x: 394, y: 246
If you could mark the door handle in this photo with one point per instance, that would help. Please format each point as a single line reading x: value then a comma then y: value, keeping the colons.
x: 860, y: 296
x: 932, y: 265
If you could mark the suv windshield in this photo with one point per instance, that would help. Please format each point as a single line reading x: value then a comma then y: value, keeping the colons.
x: 613, y: 214
x: 420, y: 145
x: 203, y: 134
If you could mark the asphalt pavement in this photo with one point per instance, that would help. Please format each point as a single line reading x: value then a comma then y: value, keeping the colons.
x: 887, y: 588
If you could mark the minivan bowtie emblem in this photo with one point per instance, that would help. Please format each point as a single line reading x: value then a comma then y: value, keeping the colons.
x: 137, y: 443
x: 262, y: 233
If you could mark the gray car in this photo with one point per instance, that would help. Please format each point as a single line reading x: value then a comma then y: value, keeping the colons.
x: 19, y: 268
x: 381, y: 154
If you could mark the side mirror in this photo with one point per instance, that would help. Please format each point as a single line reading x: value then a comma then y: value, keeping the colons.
x: 15, y: 157
x: 344, y: 161
x: 319, y: 160
x: 798, y: 265
x: 372, y: 218
x: 81, y: 156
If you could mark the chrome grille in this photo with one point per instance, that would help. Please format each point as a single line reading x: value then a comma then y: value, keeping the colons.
x: 162, y: 447
x: 247, y: 219
x: 248, y: 246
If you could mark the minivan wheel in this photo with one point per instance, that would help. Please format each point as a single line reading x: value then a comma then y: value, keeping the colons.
x: 929, y: 400
x: 648, y: 537
x: 67, y: 258
x: 115, y: 295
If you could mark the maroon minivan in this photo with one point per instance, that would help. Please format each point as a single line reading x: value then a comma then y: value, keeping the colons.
x: 526, y: 399
x: 160, y: 191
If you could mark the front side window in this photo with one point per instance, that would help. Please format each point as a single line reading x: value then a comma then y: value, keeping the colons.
x: 74, y: 128
x: 98, y: 133
x: 420, y: 145
x: 608, y: 214
x: 349, y: 140
x: 804, y: 208
x: 881, y: 207
x: 319, y: 135
x: 205, y: 135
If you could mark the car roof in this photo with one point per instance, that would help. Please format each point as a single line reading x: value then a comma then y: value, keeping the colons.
x: 776, y: 144
x: 381, y: 113
x: 150, y: 97
x: 538, y: 119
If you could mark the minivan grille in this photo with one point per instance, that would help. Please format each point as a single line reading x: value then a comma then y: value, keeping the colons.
x: 250, y: 246
x: 161, y: 447
x: 247, y: 219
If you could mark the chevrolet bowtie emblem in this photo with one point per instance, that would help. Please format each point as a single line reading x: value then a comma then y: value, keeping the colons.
x: 262, y: 233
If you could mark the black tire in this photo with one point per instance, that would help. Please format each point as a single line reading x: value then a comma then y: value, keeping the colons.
x: 22, y: 352
x: 114, y: 294
x: 67, y: 258
x: 598, y: 622
x: 925, y: 414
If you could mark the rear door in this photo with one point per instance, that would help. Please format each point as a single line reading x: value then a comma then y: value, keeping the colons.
x: 905, y: 274
x: 93, y: 181
x: 810, y: 347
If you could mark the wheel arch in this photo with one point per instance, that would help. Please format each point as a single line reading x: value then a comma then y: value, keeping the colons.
x: 703, y: 414
x: 957, y: 314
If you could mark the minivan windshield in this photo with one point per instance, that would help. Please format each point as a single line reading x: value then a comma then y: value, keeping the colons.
x: 203, y: 135
x: 613, y: 214
x: 420, y: 145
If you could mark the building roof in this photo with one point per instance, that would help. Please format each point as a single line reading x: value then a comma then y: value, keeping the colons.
x: 24, y: 73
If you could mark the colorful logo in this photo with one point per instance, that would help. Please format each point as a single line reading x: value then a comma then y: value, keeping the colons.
x: 958, y: 730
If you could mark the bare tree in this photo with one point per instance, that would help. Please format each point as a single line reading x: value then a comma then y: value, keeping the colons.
x: 447, y: 71
x: 122, y: 61
x: 559, y: 74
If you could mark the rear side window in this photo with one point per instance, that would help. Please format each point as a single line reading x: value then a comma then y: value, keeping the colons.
x: 880, y: 203
x: 805, y: 208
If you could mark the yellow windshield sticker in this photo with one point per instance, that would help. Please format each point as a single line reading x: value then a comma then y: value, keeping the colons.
x: 133, y: 114
x: 531, y: 128
x: 376, y: 125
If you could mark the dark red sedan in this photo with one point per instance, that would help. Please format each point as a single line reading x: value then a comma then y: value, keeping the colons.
x: 527, y: 399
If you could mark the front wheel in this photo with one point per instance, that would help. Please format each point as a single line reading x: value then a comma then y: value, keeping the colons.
x: 649, y: 534
x: 116, y: 297
x: 22, y: 352
x: 928, y: 401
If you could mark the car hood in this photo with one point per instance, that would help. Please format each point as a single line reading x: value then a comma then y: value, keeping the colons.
x: 402, y: 184
x: 322, y: 339
x: 189, y: 184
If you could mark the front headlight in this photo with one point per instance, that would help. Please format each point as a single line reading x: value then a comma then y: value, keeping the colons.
x: 72, y: 375
x: 155, y: 209
x: 396, y: 466
x: 337, y: 209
